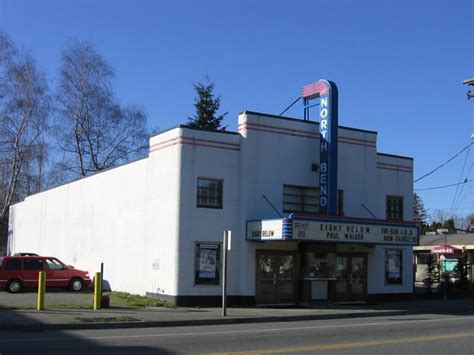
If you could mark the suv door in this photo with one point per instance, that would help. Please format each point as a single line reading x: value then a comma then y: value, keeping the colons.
x: 31, y: 269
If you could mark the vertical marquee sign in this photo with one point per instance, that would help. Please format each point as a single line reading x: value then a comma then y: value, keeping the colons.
x: 327, y: 93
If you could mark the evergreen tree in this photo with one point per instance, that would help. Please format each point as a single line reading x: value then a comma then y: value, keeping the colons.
x: 206, y: 107
x: 461, y: 272
x: 420, y: 214
x: 430, y: 278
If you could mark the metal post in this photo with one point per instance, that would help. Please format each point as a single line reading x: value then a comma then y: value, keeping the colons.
x: 41, y: 290
x: 101, y: 277
x: 224, y: 275
x: 445, y: 276
x: 97, y: 291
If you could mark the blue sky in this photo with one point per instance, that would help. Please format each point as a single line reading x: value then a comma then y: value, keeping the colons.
x: 398, y: 64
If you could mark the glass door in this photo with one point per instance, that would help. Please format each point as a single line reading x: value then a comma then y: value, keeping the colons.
x: 351, y: 278
x: 276, y: 277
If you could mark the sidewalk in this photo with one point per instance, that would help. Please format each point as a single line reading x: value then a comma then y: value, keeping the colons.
x: 164, y: 317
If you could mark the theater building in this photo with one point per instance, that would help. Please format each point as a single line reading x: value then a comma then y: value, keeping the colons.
x: 157, y: 223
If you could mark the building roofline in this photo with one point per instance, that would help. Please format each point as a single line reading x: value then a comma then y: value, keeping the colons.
x: 395, y: 156
x: 194, y: 129
x: 304, y: 121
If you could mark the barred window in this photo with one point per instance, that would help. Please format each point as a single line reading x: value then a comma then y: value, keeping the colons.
x: 394, y: 208
x: 209, y: 193
x: 300, y: 199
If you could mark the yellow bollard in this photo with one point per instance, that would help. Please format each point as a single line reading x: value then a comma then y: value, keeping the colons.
x: 41, y: 290
x: 97, y: 291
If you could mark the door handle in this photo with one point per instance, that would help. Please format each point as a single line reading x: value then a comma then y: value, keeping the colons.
x: 274, y: 279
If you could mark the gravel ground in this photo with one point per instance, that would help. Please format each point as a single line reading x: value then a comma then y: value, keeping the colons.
x: 53, y: 297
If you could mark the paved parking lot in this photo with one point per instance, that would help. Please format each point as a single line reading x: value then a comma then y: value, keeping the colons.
x: 28, y: 298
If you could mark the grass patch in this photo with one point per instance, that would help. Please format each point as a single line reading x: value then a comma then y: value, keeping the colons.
x: 106, y: 319
x: 136, y: 301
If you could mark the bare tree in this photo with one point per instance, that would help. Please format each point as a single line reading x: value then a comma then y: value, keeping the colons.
x: 24, y: 109
x: 93, y: 130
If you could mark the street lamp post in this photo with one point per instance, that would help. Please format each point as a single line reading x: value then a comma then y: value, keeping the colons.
x: 469, y: 82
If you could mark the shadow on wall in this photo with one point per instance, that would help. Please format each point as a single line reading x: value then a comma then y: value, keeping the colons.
x: 4, y: 235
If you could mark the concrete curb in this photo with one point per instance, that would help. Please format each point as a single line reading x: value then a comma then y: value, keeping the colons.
x: 196, y: 322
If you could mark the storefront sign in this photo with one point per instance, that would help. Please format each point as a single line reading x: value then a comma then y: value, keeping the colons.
x: 265, y: 230
x: 444, y: 249
x: 354, y: 232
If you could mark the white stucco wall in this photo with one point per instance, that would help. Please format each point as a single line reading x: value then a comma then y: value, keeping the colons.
x: 124, y: 217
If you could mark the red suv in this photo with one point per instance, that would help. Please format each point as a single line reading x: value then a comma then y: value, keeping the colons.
x: 17, y: 272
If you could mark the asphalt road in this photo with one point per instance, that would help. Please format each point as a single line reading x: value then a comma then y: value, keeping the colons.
x: 423, y: 334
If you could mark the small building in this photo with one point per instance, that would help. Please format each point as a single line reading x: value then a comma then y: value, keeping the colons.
x: 446, y: 249
x: 157, y: 223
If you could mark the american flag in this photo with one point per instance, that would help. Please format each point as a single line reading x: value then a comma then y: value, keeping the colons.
x: 316, y: 89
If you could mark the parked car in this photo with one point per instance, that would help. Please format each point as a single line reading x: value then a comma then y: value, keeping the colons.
x: 18, y: 272
x: 25, y: 254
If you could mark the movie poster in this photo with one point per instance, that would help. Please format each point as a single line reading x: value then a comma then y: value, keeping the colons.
x: 207, y: 263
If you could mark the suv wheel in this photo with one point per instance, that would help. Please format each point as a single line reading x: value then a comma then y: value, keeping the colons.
x: 14, y: 286
x: 76, y: 284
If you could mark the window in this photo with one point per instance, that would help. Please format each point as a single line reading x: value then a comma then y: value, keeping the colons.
x: 209, y: 193
x: 306, y: 199
x: 394, y: 208
x: 393, y: 267
x: 300, y: 199
x: 13, y: 264
x: 316, y: 265
x: 207, y: 263
x: 340, y: 202
x: 54, y: 264
x: 424, y: 258
x: 33, y: 264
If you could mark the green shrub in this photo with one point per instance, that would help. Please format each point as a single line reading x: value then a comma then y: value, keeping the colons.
x: 137, y: 301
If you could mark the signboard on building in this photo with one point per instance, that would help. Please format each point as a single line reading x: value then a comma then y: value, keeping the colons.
x: 354, y: 232
x: 327, y: 93
x: 336, y: 231
x: 265, y: 230
x: 444, y: 249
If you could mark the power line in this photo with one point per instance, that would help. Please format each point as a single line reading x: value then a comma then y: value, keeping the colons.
x: 449, y: 208
x: 445, y: 186
x: 447, y: 161
x: 461, y: 200
x: 457, y: 197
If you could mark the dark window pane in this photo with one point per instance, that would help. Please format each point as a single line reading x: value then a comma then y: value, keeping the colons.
x: 33, y: 264
x: 13, y: 264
